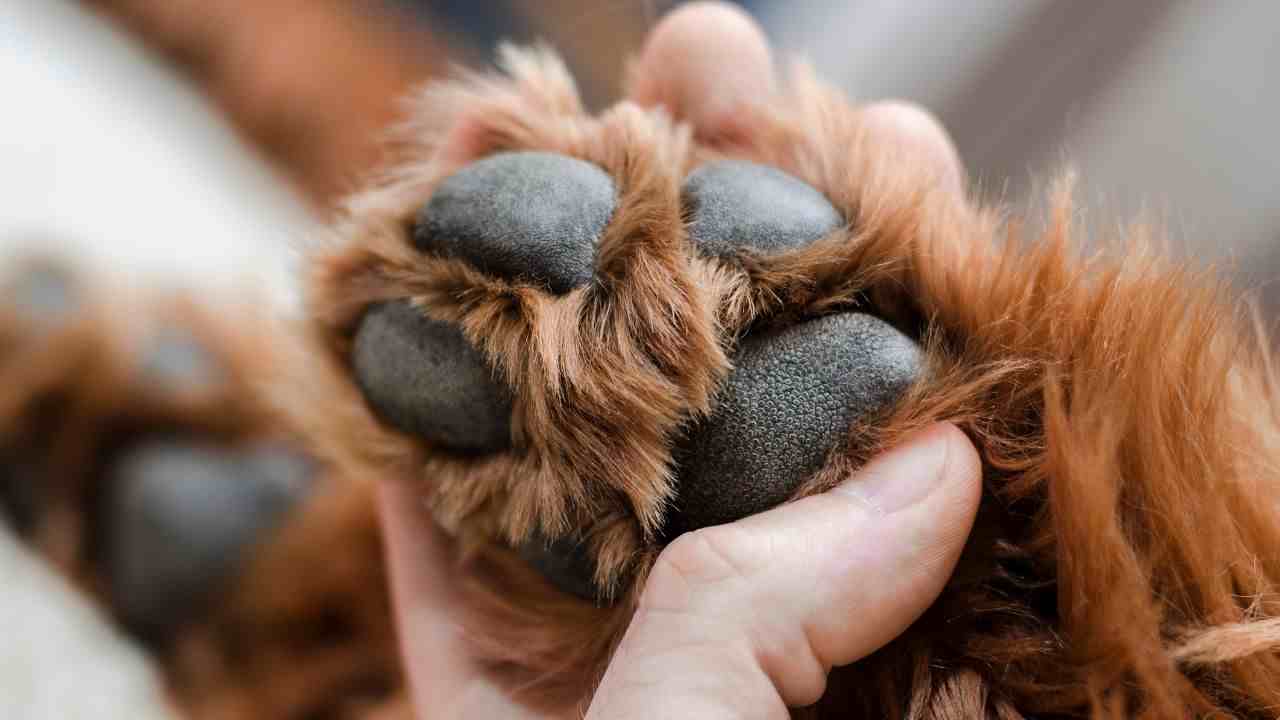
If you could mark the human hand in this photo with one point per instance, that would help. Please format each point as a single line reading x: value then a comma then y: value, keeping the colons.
x: 721, y: 630
x: 746, y: 619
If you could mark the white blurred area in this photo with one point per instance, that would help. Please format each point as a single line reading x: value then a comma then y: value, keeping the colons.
x: 106, y: 158
x: 59, y: 659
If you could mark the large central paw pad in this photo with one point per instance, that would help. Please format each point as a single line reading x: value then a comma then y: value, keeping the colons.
x: 788, y: 403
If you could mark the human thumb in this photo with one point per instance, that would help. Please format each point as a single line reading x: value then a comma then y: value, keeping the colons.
x: 746, y: 619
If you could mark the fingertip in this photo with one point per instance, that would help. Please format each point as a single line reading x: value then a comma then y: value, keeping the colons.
x: 963, y: 466
x: 893, y: 565
x: 951, y: 512
x: 701, y: 61
x: 938, y: 511
x: 920, y: 135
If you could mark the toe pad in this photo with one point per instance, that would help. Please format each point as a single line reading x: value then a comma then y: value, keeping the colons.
x: 423, y: 377
x: 736, y: 205
x: 565, y: 563
x: 179, y: 519
x: 787, y: 404
x: 44, y: 293
x: 532, y: 216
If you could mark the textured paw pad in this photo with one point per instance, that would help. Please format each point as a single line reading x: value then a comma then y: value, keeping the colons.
x: 736, y: 205
x: 179, y: 518
x: 565, y: 563
x: 532, y: 216
x: 788, y: 403
x: 424, y: 378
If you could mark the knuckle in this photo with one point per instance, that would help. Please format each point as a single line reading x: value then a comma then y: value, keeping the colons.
x: 908, y: 117
x: 695, y: 561
x: 912, y: 126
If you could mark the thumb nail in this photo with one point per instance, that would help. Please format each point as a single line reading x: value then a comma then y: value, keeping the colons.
x: 905, y: 475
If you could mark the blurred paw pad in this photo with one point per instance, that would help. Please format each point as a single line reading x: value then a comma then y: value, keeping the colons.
x: 20, y: 500
x: 44, y: 293
x: 176, y: 360
x: 565, y: 563
x: 179, y: 519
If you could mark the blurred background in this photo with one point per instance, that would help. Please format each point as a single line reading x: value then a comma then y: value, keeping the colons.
x: 183, y: 138
x: 204, y: 143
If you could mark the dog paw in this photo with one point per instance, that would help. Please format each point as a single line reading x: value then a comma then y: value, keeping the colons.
x: 599, y: 335
x: 789, y: 401
x: 136, y: 454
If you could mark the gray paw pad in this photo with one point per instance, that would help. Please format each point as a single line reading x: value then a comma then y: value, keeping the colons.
x: 175, y: 359
x: 44, y: 293
x: 736, y: 205
x: 565, y: 563
x: 179, y: 519
x: 533, y: 216
x: 423, y: 377
x: 788, y: 402
x: 20, y: 499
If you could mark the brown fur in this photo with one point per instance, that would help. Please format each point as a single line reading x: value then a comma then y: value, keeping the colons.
x: 304, y: 631
x: 1124, y: 563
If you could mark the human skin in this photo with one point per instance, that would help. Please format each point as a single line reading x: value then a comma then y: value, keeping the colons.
x: 720, y: 630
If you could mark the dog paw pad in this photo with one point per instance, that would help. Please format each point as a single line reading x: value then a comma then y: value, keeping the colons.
x: 565, y: 563
x: 789, y: 402
x: 424, y: 378
x: 44, y: 293
x: 179, y: 519
x: 533, y: 216
x: 735, y: 205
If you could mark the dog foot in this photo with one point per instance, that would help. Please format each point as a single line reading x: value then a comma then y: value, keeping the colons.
x: 795, y: 388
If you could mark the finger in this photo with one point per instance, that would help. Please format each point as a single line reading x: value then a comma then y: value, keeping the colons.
x: 416, y: 560
x: 701, y: 62
x: 877, y: 550
x: 443, y: 680
x: 780, y: 598
x: 918, y: 136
